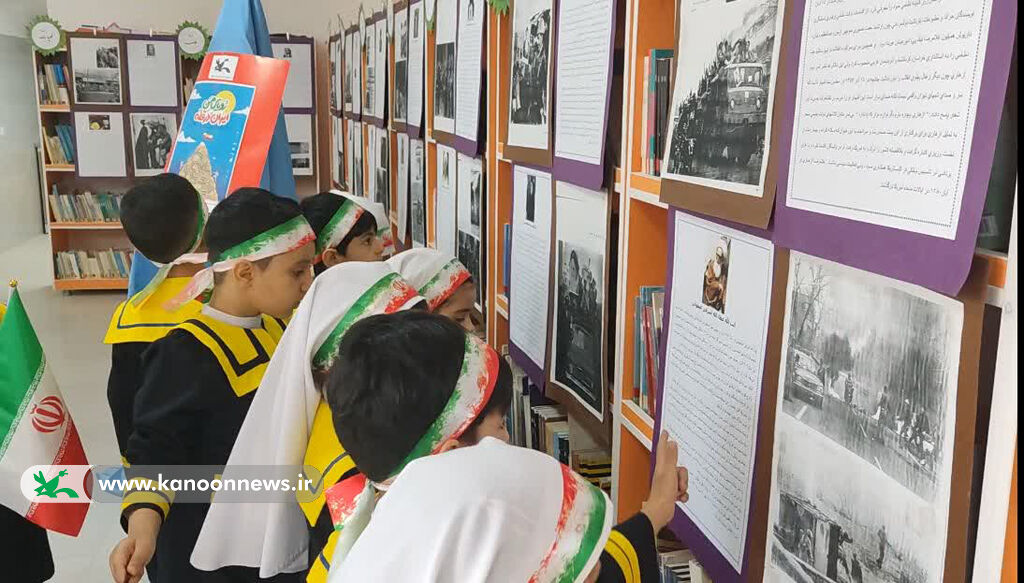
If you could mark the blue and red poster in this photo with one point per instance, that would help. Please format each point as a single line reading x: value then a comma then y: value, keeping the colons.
x: 228, y: 123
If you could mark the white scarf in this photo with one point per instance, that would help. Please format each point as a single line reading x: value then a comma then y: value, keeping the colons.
x: 434, y: 273
x: 489, y: 512
x: 274, y: 537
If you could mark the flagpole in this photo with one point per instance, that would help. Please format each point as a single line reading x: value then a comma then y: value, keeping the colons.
x: 11, y: 286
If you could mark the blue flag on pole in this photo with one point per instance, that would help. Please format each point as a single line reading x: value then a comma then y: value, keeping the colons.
x: 241, y: 28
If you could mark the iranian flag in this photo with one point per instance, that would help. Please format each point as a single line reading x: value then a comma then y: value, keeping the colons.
x: 35, y: 427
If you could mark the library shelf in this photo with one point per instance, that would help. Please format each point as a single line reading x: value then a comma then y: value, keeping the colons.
x: 92, y: 283
x: 60, y: 167
x: 639, y: 422
x: 86, y: 225
x: 54, y: 108
x: 501, y: 305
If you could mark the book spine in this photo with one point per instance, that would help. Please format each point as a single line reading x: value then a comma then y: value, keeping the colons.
x: 644, y: 154
x: 637, y: 351
x: 651, y: 113
x: 652, y: 381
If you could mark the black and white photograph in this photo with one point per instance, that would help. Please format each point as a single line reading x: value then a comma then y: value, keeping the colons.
x: 417, y: 193
x: 578, y: 334
x: 99, y: 122
x: 370, y: 94
x: 300, y: 143
x: 716, y: 275
x: 445, y: 32
x: 381, y: 56
x: 721, y: 109
x: 531, y: 74
x: 402, y: 179
x: 96, y: 68
x: 531, y: 197
x: 349, y: 147
x: 864, y: 436
x: 581, y: 242
x: 338, y: 154
x: 152, y: 138
x: 357, y: 159
x: 469, y: 255
x: 383, y: 159
x: 445, y: 215
x: 346, y: 59
x: 469, y: 210
x: 402, y: 65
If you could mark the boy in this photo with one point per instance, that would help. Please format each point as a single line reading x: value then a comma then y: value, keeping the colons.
x: 200, y: 378
x: 163, y: 217
x: 345, y: 231
x: 380, y: 214
x: 445, y: 283
x: 408, y: 385
x: 289, y: 424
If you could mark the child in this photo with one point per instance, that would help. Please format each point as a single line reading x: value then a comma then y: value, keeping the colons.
x: 344, y: 230
x: 392, y: 407
x: 164, y: 218
x: 290, y: 425
x: 200, y: 378
x: 445, y: 283
x: 380, y: 214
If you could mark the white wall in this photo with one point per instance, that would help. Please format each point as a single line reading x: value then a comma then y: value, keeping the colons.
x: 306, y: 17
x: 19, y: 132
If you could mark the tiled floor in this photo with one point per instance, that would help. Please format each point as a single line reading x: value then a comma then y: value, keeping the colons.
x: 71, y: 329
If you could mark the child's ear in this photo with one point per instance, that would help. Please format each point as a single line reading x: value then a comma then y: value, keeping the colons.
x: 449, y: 445
x: 244, y: 271
x: 331, y: 257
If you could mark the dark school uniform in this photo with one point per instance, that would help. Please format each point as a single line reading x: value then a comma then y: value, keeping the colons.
x: 631, y: 554
x: 198, y: 383
x: 132, y: 329
x: 25, y: 552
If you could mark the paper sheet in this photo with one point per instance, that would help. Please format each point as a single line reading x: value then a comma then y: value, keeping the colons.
x: 417, y: 193
x: 467, y: 70
x: 401, y: 65
x: 381, y: 55
x: 581, y: 85
x: 152, y: 73
x: 445, y: 29
x: 578, y: 331
x: 445, y: 208
x: 382, y: 157
x: 529, y: 283
x: 865, y: 427
x: 417, y: 45
x: 886, y: 101
x: 715, y: 339
x: 346, y: 60
x: 298, y: 89
x: 350, y: 143
x: 370, y: 92
x: 99, y: 140
x: 300, y: 143
x: 357, y: 186
x: 152, y: 136
x: 529, y: 95
x: 371, y: 162
x: 357, y: 73
x: 403, y: 185
x: 337, y: 150
x: 96, y: 70
x: 470, y: 209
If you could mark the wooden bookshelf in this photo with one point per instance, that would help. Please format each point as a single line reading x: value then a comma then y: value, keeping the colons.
x: 90, y: 284
x: 86, y: 225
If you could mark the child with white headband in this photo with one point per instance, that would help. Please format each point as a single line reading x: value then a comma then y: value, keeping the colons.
x: 200, y: 378
x: 445, y: 283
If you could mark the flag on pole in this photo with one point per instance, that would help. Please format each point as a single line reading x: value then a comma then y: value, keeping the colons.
x: 241, y: 28
x: 35, y: 426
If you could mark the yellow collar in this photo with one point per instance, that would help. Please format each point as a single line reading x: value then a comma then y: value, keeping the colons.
x: 243, y: 353
x: 150, y: 322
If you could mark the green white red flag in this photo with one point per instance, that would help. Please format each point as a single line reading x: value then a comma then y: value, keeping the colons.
x: 35, y: 426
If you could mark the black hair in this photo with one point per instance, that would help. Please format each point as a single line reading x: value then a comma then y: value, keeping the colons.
x: 318, y: 210
x: 392, y: 377
x: 243, y: 215
x: 500, y: 401
x: 159, y: 216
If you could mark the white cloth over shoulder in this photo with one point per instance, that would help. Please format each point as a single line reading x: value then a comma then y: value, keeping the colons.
x: 274, y: 536
x: 489, y: 512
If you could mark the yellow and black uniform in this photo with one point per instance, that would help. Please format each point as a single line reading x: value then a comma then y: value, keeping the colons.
x: 631, y: 553
x: 198, y: 383
x: 132, y: 329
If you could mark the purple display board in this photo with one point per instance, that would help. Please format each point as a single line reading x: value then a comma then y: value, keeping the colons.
x: 932, y: 262
x: 581, y: 173
x: 713, y: 561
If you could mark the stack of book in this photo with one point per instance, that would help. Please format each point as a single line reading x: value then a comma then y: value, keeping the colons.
x: 679, y: 566
x: 53, y: 84
x: 595, y: 465
x: 657, y: 79
x: 85, y: 207
x: 647, y: 326
x: 60, y: 145
x: 105, y: 263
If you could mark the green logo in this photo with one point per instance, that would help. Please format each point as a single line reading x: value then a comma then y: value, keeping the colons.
x: 49, y: 488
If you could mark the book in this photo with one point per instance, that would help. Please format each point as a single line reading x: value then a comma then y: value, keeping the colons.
x: 647, y: 332
x: 84, y: 207
x: 540, y: 417
x: 102, y: 263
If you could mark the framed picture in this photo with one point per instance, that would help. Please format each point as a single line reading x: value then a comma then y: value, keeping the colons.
x: 298, y: 90
x: 154, y: 78
x: 152, y: 137
x: 100, y: 143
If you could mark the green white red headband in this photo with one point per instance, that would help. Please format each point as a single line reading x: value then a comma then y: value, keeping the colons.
x: 288, y: 236
x: 583, y: 525
x: 441, y: 287
x: 390, y: 294
x: 338, y: 227
x: 352, y: 500
x: 189, y: 256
